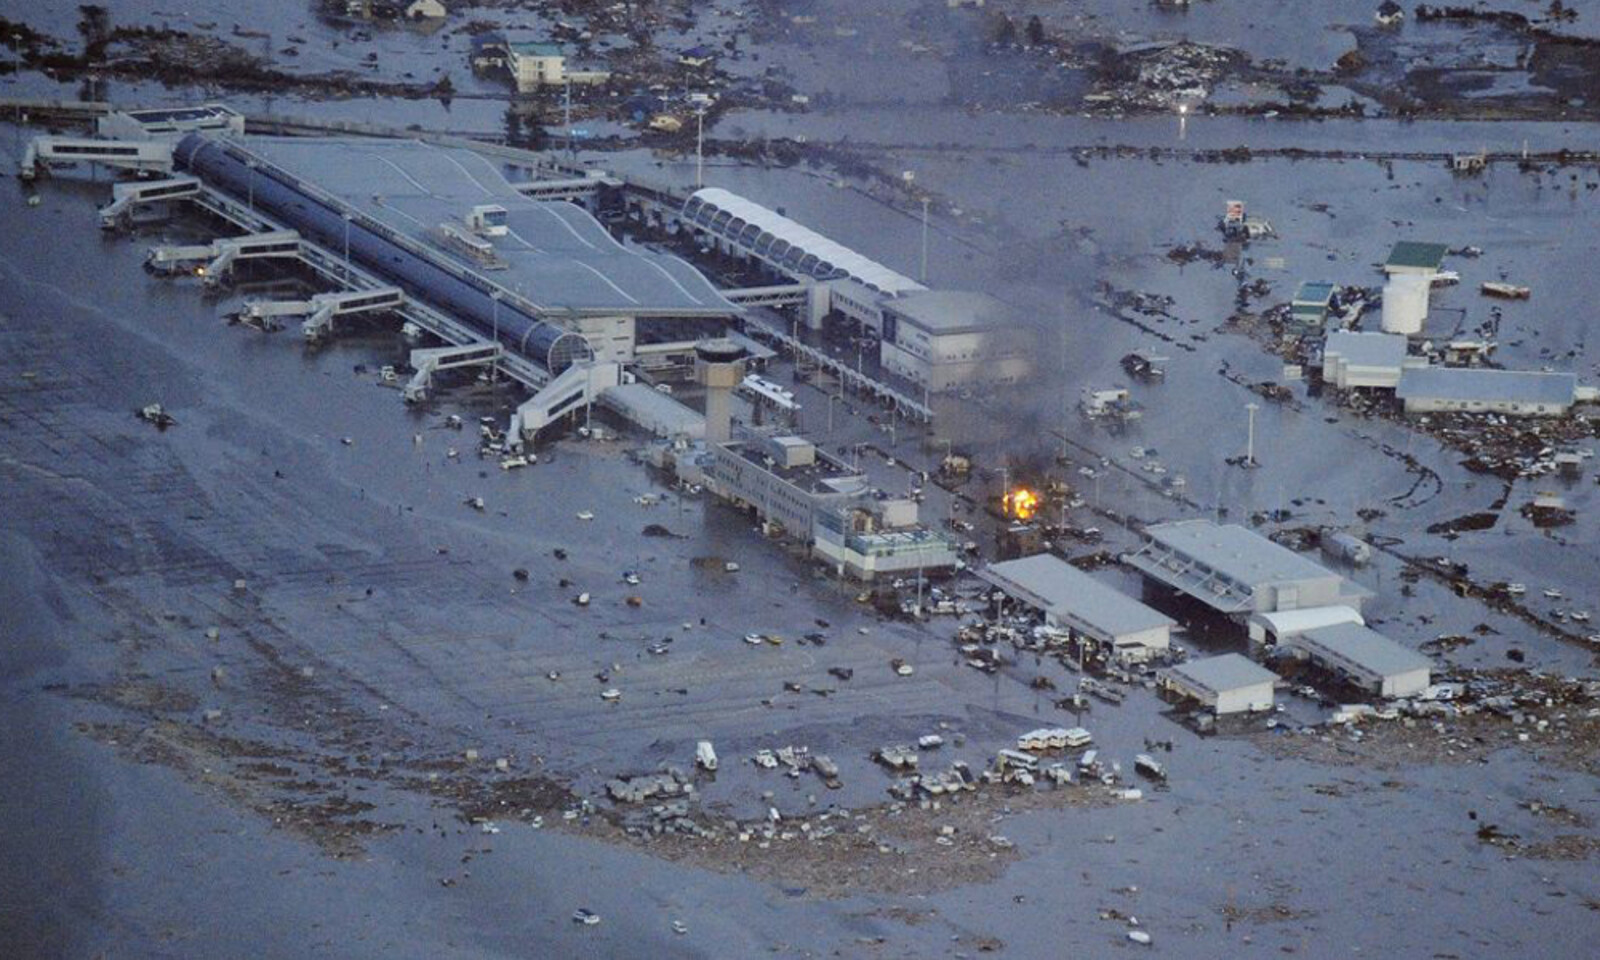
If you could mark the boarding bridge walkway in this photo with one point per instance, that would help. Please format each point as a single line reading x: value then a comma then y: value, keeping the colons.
x: 334, y: 269
x: 126, y: 196
x: 784, y: 295
x: 576, y: 188
x: 430, y: 360
x: 579, y: 385
x: 143, y: 156
x: 322, y: 308
x: 218, y: 257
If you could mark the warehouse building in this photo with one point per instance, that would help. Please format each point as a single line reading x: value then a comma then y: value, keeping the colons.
x: 1122, y: 626
x: 1472, y: 390
x: 1231, y: 683
x: 940, y: 339
x: 1363, y: 656
x: 1351, y: 359
x: 1236, y: 571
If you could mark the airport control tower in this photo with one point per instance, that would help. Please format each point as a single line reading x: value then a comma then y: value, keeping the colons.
x: 719, y: 367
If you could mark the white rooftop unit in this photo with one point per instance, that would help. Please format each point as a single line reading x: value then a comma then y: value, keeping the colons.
x: 1368, y: 658
x: 1231, y: 683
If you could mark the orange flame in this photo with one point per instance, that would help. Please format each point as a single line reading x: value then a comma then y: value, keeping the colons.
x: 1021, y: 503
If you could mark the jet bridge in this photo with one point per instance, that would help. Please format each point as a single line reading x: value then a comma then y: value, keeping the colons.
x: 321, y: 309
x: 427, y: 362
x: 142, y: 156
x: 579, y: 384
x: 126, y: 196
x: 217, y: 258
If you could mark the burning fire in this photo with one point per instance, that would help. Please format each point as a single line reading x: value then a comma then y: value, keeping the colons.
x: 1021, y: 503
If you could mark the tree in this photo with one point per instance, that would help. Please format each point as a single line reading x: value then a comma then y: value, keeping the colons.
x: 1035, y: 32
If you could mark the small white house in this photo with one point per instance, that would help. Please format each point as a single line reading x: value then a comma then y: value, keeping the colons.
x: 1231, y: 683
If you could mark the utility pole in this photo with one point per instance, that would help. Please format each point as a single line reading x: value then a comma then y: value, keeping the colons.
x: 571, y: 153
x: 494, y: 367
x: 1250, y: 443
x: 699, y: 148
x: 924, y: 276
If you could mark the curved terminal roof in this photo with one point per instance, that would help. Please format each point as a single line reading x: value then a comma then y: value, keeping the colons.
x: 555, y: 255
x: 785, y: 244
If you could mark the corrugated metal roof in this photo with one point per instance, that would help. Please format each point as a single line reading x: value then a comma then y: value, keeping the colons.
x: 1365, y: 648
x: 1367, y: 349
x: 1231, y: 671
x: 862, y: 268
x: 1240, y: 554
x: 1466, y: 384
x: 1067, y: 591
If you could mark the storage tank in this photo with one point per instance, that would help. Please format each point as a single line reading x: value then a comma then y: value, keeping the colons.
x: 458, y: 292
x: 1405, y: 303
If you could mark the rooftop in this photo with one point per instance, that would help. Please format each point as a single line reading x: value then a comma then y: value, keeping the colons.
x: 1367, y: 349
x: 1288, y: 623
x: 1467, y: 384
x: 1366, y: 648
x: 823, y: 476
x: 536, y: 49
x: 1314, y: 292
x: 951, y: 311
x: 1059, y: 587
x: 782, y: 229
x: 1239, y: 554
x: 1231, y: 671
x: 558, y: 257
x: 1411, y: 253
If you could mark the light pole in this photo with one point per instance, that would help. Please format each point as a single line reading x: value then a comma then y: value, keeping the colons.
x: 1250, y: 442
x: 699, y: 148
x: 924, y: 276
x: 494, y: 366
x: 346, y: 248
x: 567, y: 108
x: 1183, y: 121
